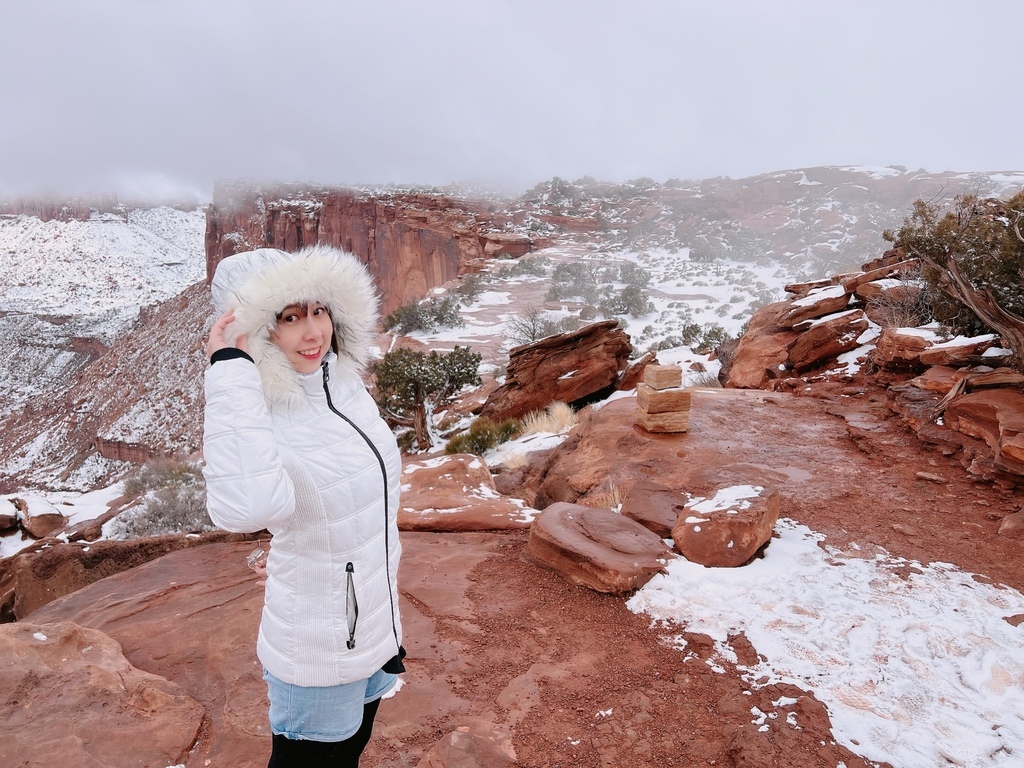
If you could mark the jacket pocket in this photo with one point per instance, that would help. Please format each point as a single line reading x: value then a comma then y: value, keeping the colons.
x: 351, y: 605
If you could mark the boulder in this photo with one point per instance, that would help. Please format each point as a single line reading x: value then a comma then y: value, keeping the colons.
x: 763, y: 351
x: 728, y: 529
x: 8, y: 523
x: 655, y: 506
x: 595, y: 548
x: 997, y: 417
x: 39, y: 518
x: 817, y: 303
x: 72, y: 698
x: 567, y: 368
x: 1012, y: 526
x: 826, y: 338
x: 190, y: 617
x: 456, y: 493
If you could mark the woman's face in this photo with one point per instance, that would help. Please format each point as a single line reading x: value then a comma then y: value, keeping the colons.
x: 304, y: 335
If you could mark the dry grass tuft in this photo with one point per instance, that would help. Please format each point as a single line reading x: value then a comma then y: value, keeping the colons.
x: 514, y: 460
x: 610, y: 498
x: 556, y: 418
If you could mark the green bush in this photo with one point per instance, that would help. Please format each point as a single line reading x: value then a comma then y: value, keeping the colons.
x: 161, y: 473
x: 469, y: 288
x: 978, y: 234
x: 634, y: 274
x: 631, y: 301
x: 482, y: 435
x: 699, y: 338
x: 534, y: 266
x: 428, y: 316
x: 574, y: 280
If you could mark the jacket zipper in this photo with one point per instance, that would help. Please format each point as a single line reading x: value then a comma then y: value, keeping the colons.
x: 349, y: 568
x: 352, y: 605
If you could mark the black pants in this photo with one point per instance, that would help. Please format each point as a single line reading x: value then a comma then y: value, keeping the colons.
x: 302, y: 753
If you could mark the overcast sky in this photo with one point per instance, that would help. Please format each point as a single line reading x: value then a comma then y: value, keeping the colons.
x: 163, y: 97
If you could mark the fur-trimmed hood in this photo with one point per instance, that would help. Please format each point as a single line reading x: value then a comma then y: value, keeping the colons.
x: 259, y: 284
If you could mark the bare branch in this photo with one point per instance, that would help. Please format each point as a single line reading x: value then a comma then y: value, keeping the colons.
x: 955, y: 284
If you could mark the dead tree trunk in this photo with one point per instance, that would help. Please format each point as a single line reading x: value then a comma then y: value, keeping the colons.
x: 981, y: 301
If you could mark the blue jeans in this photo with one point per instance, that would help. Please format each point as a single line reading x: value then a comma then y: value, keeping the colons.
x: 331, y: 713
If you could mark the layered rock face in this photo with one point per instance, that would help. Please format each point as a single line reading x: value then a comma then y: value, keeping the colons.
x: 410, y: 242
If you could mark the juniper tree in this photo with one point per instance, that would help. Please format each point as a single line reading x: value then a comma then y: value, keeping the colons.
x: 411, y: 385
x: 973, y: 259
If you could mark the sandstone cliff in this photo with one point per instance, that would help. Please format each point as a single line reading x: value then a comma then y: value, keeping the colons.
x: 410, y: 242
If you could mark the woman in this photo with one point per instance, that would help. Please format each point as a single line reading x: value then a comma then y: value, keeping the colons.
x: 293, y: 443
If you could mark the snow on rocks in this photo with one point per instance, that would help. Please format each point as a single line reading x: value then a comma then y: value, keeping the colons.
x: 39, y: 518
x: 900, y: 348
x: 826, y: 338
x: 728, y: 529
x: 817, y: 303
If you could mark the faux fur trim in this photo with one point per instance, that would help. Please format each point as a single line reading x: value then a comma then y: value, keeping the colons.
x: 259, y: 284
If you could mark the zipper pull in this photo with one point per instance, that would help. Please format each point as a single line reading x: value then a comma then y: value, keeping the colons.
x: 323, y: 367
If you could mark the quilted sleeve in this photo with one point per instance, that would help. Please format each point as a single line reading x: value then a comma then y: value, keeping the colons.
x: 247, y: 488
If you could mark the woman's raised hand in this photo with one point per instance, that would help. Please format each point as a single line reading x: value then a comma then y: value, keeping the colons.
x: 216, y: 340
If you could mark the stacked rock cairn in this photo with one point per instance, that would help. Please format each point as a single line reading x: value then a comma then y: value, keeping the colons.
x: 662, y: 404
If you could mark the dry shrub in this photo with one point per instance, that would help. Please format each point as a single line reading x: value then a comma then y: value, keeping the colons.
x: 159, y: 473
x: 556, y: 418
x: 172, y: 500
x: 482, y: 435
x: 905, y: 306
x: 704, y: 379
x: 514, y: 460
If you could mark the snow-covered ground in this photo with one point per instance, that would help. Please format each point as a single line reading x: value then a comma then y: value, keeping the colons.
x: 102, y: 270
x: 61, y: 282
x: 916, y: 662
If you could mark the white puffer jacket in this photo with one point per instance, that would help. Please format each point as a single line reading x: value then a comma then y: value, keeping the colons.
x: 309, y: 458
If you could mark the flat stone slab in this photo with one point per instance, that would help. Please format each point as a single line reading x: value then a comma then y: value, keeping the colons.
x: 655, y: 506
x: 596, y: 548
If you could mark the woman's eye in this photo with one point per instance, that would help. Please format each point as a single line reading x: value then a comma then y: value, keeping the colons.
x: 319, y: 311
